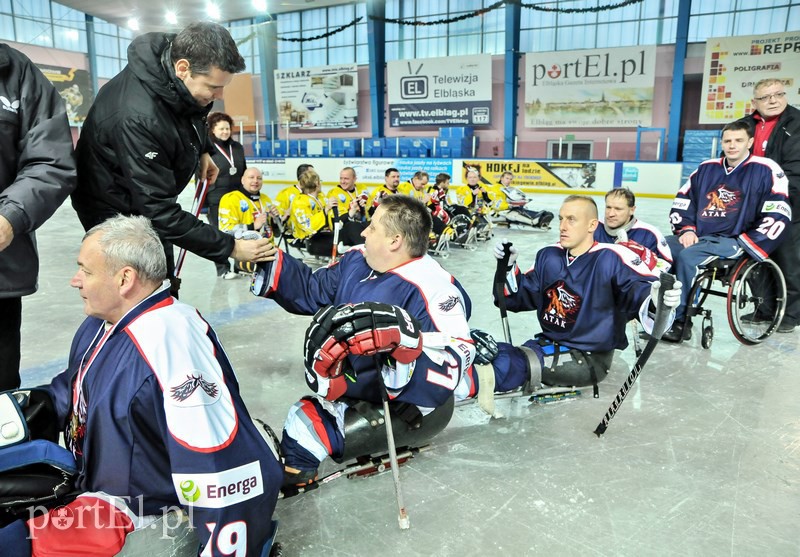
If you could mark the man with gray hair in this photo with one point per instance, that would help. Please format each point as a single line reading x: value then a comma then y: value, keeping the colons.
x: 777, y: 136
x: 150, y: 408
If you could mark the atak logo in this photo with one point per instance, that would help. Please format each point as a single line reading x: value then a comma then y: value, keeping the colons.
x: 563, y: 305
x: 11, y: 106
x: 449, y: 303
x: 720, y: 202
x: 188, y: 387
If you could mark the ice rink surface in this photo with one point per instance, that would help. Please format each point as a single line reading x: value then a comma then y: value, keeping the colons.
x: 703, y: 458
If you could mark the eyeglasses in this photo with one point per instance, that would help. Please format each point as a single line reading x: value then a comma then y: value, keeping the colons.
x: 770, y: 97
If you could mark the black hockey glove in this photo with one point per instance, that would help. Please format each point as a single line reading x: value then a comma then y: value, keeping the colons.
x: 485, y: 347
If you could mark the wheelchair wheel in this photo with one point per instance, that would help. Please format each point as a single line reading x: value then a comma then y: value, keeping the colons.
x: 756, y: 300
x: 707, y: 337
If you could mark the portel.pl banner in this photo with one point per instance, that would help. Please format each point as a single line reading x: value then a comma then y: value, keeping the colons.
x: 733, y: 65
x: 451, y: 91
x: 600, y: 88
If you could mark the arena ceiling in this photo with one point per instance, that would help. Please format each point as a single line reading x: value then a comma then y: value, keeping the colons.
x: 151, y: 13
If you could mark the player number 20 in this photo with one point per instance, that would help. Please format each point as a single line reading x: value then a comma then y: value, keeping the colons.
x: 771, y: 228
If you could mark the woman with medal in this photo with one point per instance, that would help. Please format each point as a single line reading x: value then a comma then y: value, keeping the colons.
x: 228, y: 155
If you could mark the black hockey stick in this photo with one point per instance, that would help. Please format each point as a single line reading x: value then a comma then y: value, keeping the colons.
x: 499, y: 287
x: 660, y: 326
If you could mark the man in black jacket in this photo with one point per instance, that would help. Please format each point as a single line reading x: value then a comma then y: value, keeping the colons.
x: 777, y: 137
x: 145, y: 137
x: 37, y: 173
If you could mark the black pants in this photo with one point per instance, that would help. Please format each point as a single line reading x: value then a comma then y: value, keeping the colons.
x: 787, y: 256
x: 350, y: 234
x: 10, y: 325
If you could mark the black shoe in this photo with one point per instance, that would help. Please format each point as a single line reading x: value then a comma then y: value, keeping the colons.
x: 676, y: 333
x: 756, y: 317
x: 786, y: 327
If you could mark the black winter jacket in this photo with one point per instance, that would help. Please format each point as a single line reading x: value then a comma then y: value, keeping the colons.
x: 783, y: 147
x: 37, y: 165
x: 140, y: 146
x: 226, y: 182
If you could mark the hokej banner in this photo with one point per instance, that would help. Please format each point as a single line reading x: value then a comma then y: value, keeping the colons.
x: 450, y: 91
x: 73, y: 86
x: 534, y: 174
x: 599, y: 88
x: 733, y: 65
x: 316, y: 98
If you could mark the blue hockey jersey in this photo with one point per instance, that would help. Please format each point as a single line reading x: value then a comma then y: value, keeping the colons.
x: 421, y: 286
x: 584, y: 303
x: 749, y: 202
x: 151, y: 409
x: 643, y: 234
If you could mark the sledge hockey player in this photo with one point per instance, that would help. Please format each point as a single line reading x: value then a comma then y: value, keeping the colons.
x: 351, y: 202
x: 416, y: 186
x: 729, y: 206
x: 150, y: 409
x: 449, y: 218
x: 622, y: 227
x: 386, y: 316
x: 583, y: 293
x: 310, y: 215
x: 510, y: 204
x: 247, y: 208
x: 475, y: 197
x: 390, y: 186
x: 285, y: 197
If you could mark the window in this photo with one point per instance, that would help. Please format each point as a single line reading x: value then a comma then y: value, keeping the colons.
x: 348, y: 46
x: 475, y: 35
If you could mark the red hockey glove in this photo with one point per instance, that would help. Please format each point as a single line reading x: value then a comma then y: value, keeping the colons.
x: 361, y: 329
x: 645, y: 254
x: 441, y: 214
x: 324, y: 353
x: 373, y: 328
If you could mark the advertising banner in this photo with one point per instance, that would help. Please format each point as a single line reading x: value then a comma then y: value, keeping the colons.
x: 733, y: 65
x: 599, y: 88
x: 73, y: 86
x: 450, y: 91
x: 535, y: 174
x: 324, y: 97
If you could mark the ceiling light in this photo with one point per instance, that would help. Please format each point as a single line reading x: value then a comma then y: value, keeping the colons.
x: 171, y: 17
x: 133, y: 24
x: 213, y: 11
x: 260, y: 5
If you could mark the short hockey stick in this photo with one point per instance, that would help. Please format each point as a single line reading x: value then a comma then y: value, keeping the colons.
x: 660, y: 326
x: 499, y: 288
x: 402, y: 515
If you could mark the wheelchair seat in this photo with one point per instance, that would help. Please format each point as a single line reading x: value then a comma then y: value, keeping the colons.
x: 755, y: 294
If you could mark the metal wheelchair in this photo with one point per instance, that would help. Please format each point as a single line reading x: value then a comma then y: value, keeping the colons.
x: 755, y: 293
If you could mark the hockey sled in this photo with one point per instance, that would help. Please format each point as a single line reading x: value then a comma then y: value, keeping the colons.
x: 361, y: 467
x: 545, y: 395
